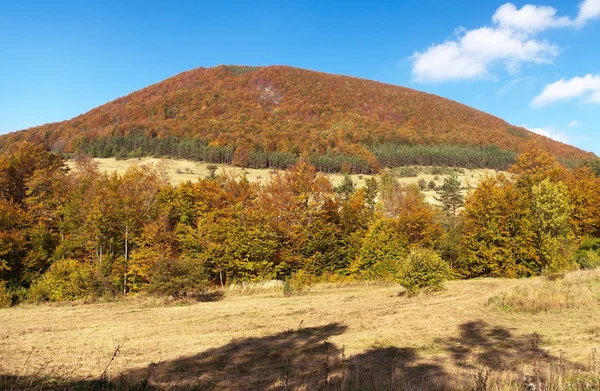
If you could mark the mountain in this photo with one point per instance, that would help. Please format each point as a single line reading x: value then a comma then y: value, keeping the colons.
x: 272, y: 116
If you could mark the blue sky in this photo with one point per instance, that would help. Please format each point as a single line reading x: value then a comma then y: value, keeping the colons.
x: 531, y: 63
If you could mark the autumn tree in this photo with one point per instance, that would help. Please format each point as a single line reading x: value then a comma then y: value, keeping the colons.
x: 415, y: 217
x: 381, y: 251
x: 555, y: 238
x: 304, y: 211
x: 14, y: 244
x: 498, y: 236
x: 32, y: 189
x: 19, y: 165
x: 533, y: 166
x: 134, y: 195
x: 355, y: 217
x: 584, y: 197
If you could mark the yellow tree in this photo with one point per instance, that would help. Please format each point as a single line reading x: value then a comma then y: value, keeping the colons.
x: 498, y: 237
x: 415, y: 218
x: 584, y: 196
x: 135, y: 194
x: 533, y: 166
x: 552, y: 214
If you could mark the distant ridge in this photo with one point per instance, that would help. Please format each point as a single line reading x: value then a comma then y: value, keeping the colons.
x: 272, y: 116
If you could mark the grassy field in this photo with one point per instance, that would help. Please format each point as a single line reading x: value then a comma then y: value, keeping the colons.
x: 186, y: 170
x: 349, y: 337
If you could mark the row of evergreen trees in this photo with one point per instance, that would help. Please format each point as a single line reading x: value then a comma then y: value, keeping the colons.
x: 138, y: 145
x: 332, y: 163
x: 388, y: 155
x: 396, y: 155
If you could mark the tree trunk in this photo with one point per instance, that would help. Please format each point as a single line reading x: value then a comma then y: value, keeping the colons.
x: 126, y: 260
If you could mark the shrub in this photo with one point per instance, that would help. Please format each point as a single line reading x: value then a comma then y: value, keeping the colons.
x: 66, y: 279
x: 437, y: 171
x: 588, y: 254
x: 300, y: 280
x: 406, y: 172
x: 590, y: 244
x: 587, y: 259
x: 445, y: 170
x: 5, y: 295
x: 423, y: 270
x: 178, y: 277
x: 386, y: 270
x: 422, y: 184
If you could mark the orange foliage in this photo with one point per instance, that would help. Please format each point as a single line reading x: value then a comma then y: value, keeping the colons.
x: 283, y: 108
x: 534, y: 165
x: 584, y: 196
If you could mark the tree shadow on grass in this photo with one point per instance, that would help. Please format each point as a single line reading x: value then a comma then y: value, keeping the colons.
x: 305, y: 359
x: 390, y: 368
x: 482, y: 345
x: 210, y: 296
x: 286, y: 360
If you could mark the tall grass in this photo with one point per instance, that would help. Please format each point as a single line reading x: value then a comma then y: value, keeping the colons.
x: 576, y: 290
x: 257, y: 288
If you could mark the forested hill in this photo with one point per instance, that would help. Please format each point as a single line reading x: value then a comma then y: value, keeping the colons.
x: 273, y: 116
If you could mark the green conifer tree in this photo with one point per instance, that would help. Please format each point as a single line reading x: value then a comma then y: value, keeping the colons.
x: 346, y: 188
x: 450, y: 195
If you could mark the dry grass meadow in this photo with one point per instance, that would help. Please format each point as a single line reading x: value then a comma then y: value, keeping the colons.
x: 186, y: 170
x: 476, y: 335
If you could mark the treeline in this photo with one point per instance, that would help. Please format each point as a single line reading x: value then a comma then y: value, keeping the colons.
x: 81, y: 234
x: 134, y: 146
x: 396, y: 155
x: 386, y: 155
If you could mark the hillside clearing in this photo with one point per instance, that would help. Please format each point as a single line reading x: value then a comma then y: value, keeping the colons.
x: 187, y: 170
x: 455, y: 331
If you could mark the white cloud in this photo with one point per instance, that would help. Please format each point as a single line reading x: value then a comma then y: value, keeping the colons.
x: 471, y: 56
x: 594, y: 97
x: 550, y: 132
x: 587, y: 88
x: 509, y: 42
x: 574, y: 124
x: 530, y: 18
x: 588, y: 10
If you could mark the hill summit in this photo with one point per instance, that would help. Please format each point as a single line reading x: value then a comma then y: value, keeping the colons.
x: 273, y: 116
